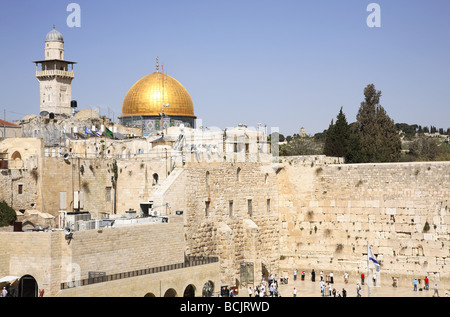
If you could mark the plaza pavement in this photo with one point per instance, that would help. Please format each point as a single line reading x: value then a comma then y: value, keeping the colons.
x: 307, y: 288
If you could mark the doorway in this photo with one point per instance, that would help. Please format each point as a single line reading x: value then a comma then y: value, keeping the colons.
x: 28, y: 286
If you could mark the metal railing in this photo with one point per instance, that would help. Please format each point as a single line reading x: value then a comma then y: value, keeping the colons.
x: 188, y: 262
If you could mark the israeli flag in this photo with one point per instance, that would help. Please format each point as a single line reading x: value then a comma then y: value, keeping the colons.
x: 371, y: 257
x: 87, y: 131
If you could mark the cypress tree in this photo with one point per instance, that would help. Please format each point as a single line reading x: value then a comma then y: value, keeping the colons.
x: 337, y: 137
x: 378, y: 136
x: 342, y: 135
x: 329, y: 140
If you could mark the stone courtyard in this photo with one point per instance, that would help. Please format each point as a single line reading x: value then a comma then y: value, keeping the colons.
x: 307, y: 288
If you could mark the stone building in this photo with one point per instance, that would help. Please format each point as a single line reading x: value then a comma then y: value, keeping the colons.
x: 55, y: 76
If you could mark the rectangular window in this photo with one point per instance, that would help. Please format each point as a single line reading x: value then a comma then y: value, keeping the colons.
x: 207, y: 208
x: 20, y: 189
x: 268, y: 205
x: 230, y: 208
x: 249, y: 204
x: 108, y: 194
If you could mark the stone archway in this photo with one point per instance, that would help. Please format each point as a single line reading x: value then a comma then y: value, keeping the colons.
x: 28, y: 286
x: 170, y: 293
x: 149, y: 295
x: 189, y: 291
x: 208, y: 289
x: 16, y: 160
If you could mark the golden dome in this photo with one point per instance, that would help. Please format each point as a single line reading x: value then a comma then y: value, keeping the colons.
x: 147, y: 96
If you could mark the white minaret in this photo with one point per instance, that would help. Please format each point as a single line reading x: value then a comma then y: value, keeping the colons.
x: 54, y: 77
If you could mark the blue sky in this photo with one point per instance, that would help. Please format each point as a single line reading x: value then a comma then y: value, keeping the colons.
x: 286, y: 64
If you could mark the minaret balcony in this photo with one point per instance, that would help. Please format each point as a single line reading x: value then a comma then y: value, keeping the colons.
x: 54, y: 72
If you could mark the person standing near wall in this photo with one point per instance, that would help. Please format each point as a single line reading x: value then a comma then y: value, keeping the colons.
x: 436, y: 290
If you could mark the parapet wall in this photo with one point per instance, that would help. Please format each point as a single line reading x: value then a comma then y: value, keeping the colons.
x: 52, y: 259
x: 329, y: 213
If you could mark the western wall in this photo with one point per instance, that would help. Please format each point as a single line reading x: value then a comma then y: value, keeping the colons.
x: 329, y: 212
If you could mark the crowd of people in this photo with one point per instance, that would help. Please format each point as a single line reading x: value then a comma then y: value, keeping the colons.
x: 269, y: 286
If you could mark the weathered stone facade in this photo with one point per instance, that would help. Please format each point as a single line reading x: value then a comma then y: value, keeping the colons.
x: 232, y: 212
x: 329, y: 213
x: 52, y: 259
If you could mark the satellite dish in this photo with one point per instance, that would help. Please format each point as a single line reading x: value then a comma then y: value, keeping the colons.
x: 43, y: 113
x: 66, y: 156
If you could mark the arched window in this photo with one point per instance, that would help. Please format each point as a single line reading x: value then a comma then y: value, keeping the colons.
x: 16, y: 156
x: 170, y: 293
x: 189, y: 291
x: 208, y: 289
x: 16, y: 159
x: 238, y: 174
x: 207, y: 178
x: 155, y: 179
x: 28, y: 286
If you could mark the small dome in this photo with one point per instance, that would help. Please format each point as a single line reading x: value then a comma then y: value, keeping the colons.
x: 54, y: 36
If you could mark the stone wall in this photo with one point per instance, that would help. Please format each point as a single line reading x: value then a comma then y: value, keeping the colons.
x: 52, y: 259
x: 236, y: 235
x: 329, y: 213
x: 156, y: 284
x: 92, y: 177
x: 19, y: 182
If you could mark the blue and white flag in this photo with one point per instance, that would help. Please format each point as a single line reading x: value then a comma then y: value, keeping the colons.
x: 371, y: 257
x: 94, y: 133
x: 87, y: 131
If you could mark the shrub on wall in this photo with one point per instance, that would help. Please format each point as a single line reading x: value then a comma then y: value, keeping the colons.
x: 7, y: 214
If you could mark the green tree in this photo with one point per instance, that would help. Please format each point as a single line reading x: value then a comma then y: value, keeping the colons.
x: 7, y: 214
x: 354, y: 152
x: 329, y: 140
x: 424, y: 149
x: 337, y: 137
x: 378, y: 137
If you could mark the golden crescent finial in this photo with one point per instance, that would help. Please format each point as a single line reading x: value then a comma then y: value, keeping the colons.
x: 157, y: 64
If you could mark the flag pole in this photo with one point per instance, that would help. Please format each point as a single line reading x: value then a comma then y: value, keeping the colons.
x: 368, y: 274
